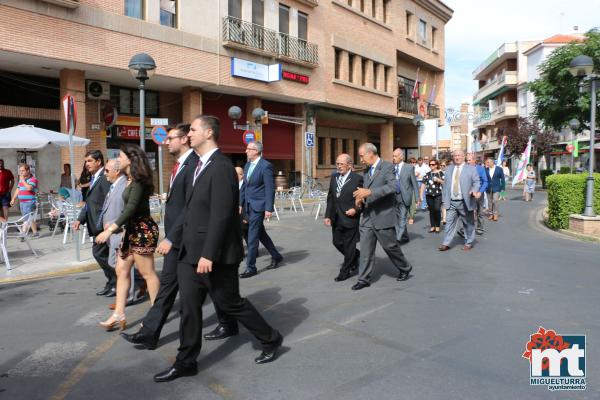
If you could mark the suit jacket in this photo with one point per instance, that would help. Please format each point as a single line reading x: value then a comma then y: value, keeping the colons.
x: 93, y: 204
x: 113, y: 206
x: 468, y: 181
x: 337, y: 206
x: 211, y: 227
x: 408, y: 185
x: 176, y: 199
x: 496, y: 182
x: 379, y: 211
x: 258, y: 192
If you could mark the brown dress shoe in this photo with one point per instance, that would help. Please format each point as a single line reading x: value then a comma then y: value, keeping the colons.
x: 495, y: 218
x: 467, y: 247
x: 443, y: 248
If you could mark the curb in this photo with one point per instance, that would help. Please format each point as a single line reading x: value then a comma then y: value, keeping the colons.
x: 57, y: 273
x: 562, y: 233
x: 51, y: 274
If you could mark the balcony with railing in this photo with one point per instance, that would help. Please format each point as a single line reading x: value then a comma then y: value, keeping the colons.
x: 506, y: 80
x: 407, y: 105
x: 258, y: 39
x: 433, y: 111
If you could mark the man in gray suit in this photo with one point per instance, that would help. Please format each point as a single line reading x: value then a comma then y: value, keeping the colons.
x: 406, y: 190
x: 113, y: 206
x: 378, y: 219
x: 460, y: 194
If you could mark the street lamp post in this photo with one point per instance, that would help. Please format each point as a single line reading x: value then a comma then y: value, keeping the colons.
x: 142, y: 67
x: 583, y: 67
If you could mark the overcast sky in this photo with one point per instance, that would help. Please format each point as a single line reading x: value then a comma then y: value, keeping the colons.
x: 478, y: 27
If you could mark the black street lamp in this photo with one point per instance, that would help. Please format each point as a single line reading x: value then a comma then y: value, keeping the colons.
x: 142, y: 67
x: 582, y: 67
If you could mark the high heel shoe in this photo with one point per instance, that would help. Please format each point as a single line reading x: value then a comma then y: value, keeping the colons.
x: 113, y: 322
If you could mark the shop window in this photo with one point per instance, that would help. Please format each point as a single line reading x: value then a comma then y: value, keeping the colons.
x: 332, y: 150
x: 321, y: 151
x: 234, y: 8
x: 168, y: 13
x: 134, y: 8
x: 128, y: 101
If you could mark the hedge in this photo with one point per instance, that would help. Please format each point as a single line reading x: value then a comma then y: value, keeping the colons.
x: 566, y: 195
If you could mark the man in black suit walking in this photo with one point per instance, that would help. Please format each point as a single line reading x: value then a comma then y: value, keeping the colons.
x: 90, y: 215
x: 180, y: 182
x: 210, y: 254
x: 342, y: 214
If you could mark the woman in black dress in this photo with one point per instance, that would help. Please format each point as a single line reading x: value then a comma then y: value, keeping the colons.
x: 141, y: 232
x: 432, y: 185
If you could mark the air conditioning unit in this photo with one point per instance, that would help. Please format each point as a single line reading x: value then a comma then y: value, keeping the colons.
x: 97, y: 90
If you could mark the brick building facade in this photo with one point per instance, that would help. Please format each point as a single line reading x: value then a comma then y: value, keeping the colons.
x: 346, y: 70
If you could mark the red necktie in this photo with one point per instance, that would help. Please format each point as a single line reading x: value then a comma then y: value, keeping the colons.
x: 174, y: 171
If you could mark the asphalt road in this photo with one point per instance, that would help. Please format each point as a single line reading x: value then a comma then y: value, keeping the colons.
x: 455, y: 330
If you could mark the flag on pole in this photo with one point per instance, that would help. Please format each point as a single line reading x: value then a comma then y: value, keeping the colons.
x: 415, y: 92
x: 575, y: 148
x: 501, y: 153
x: 431, y: 95
x: 521, y: 172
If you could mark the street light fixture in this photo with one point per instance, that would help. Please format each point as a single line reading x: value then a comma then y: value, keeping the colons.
x: 582, y: 67
x: 574, y: 125
x: 142, y: 67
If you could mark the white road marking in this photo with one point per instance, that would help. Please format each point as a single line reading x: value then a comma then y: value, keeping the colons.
x: 49, y: 359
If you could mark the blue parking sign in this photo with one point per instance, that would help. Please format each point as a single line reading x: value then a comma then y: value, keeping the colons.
x: 310, y: 139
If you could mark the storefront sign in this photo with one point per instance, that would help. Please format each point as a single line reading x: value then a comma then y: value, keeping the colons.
x: 251, y: 70
x: 292, y: 76
x: 130, y: 132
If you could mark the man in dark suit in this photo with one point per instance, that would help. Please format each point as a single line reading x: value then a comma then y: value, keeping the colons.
x: 378, y: 219
x: 343, y: 215
x: 180, y: 182
x: 495, y: 176
x: 406, y: 190
x: 257, y: 197
x: 90, y: 215
x: 210, y: 253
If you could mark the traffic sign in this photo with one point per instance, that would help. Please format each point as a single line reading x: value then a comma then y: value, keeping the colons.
x: 570, y: 148
x: 310, y: 139
x: 159, y: 134
x: 159, y: 121
x: 249, y: 136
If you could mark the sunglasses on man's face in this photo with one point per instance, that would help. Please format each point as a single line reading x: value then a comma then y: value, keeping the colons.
x: 432, y: 164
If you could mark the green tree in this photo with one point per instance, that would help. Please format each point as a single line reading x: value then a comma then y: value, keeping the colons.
x: 517, y: 138
x: 557, y: 97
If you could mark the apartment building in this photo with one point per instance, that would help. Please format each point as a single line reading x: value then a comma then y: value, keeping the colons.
x: 496, y: 100
x: 460, y: 131
x: 343, y: 70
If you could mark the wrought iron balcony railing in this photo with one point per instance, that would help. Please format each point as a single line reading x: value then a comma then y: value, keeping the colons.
x: 433, y: 111
x: 269, y: 41
x: 407, y: 105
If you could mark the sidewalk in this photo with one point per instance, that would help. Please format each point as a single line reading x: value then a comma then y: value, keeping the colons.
x: 56, y: 259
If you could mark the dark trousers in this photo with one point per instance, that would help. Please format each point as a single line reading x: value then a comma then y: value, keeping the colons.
x: 256, y: 234
x: 435, y: 210
x: 100, y: 253
x: 345, y: 240
x: 223, y: 286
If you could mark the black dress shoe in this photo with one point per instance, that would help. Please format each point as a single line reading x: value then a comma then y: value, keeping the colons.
x: 221, y: 332
x: 147, y: 342
x: 275, y: 263
x: 112, y: 292
x: 341, y: 277
x: 360, y: 285
x: 269, y: 354
x: 103, y: 292
x: 173, y: 373
x: 402, y: 276
x: 248, y: 274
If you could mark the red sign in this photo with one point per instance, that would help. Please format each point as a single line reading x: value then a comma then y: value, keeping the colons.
x: 249, y: 137
x: 70, y: 110
x: 129, y: 132
x: 109, y: 115
x: 292, y: 76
